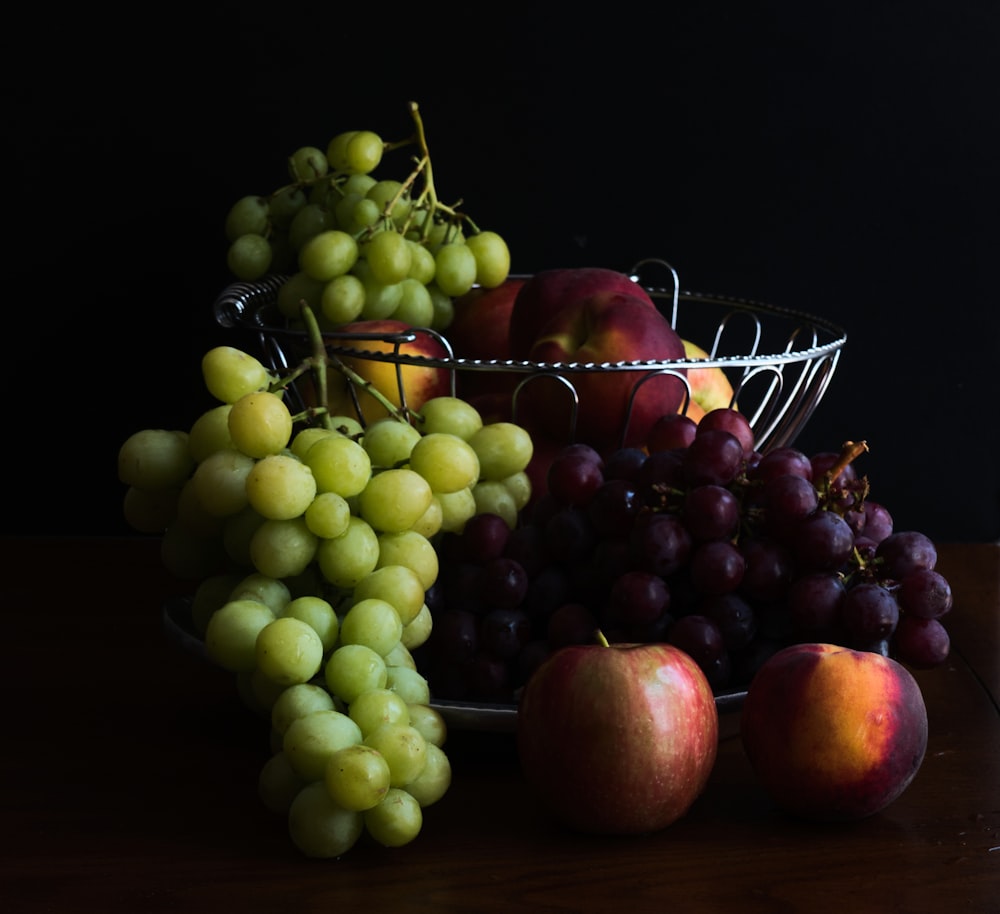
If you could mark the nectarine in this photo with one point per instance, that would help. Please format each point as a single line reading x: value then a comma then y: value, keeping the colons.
x: 832, y: 733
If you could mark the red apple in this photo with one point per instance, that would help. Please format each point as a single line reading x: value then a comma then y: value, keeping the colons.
x: 617, y: 739
x: 549, y: 292
x: 832, y: 733
x: 606, y: 327
x: 420, y: 383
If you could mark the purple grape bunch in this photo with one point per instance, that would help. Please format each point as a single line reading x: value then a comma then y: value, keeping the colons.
x: 696, y: 540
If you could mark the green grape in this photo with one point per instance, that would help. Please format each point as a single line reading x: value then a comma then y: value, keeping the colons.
x: 336, y: 150
x: 350, y: 557
x: 150, y: 510
x: 421, y: 263
x: 392, y: 199
x: 373, y: 623
x: 282, y: 548
x: 317, y: 613
x: 429, y: 523
x: 493, y: 497
x: 231, y: 634
x: 396, y: 820
x: 300, y: 287
x: 347, y: 215
x: 328, y: 254
x: 328, y: 515
x: 375, y: 707
x: 417, y: 630
x: 357, y: 184
x: 210, y: 432
x: 504, y: 448
x: 430, y: 723
x: 237, y: 532
x: 444, y: 308
x: 389, y: 442
x: 278, y: 784
x: 454, y: 269
x: 447, y: 462
x: 305, y: 438
x: 388, y: 257
x: 285, y: 204
x: 394, y: 499
x: 349, y: 426
x: 249, y: 257
x: 380, y: 299
x: 450, y: 415
x: 297, y: 701
x: 416, y: 307
x: 260, y: 424
x: 310, y: 740
x: 364, y: 216
x: 280, y: 487
x: 220, y: 481
x: 191, y: 514
x: 231, y: 373
x: 211, y: 593
x: 307, y: 164
x: 363, y: 152
x: 342, y: 299
x: 357, y: 777
x: 340, y: 465
x: 272, y: 592
x: 288, y: 651
x: 519, y: 486
x: 433, y: 782
x: 312, y: 219
x: 456, y: 509
x: 397, y: 585
x: 400, y: 656
x: 411, y: 685
x: 403, y: 747
x: 155, y: 458
x: 319, y: 828
x: 411, y: 549
x: 352, y: 670
x: 492, y: 258
x: 247, y: 216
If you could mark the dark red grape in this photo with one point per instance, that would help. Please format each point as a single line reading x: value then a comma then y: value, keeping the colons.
x: 822, y: 542
x: 869, y: 612
x: 710, y: 512
x: 769, y: 569
x: 504, y: 632
x: 624, y: 463
x: 729, y: 420
x: 613, y: 508
x: 735, y: 617
x: 786, y: 501
x: 814, y: 602
x: 569, y: 535
x: 573, y: 478
x: 904, y: 552
x: 782, y: 461
x: 670, y: 432
x: 701, y: 639
x: 503, y: 582
x: 638, y: 598
x: 925, y: 593
x: 571, y: 623
x: 660, y: 543
x: 921, y: 643
x: 715, y: 457
x: 717, y: 567
x: 483, y: 537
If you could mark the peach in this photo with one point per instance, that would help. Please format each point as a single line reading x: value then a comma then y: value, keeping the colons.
x: 549, y: 292
x: 606, y: 327
x: 832, y: 733
x: 420, y: 383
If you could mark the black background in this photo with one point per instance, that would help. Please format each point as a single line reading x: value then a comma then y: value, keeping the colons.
x: 834, y: 159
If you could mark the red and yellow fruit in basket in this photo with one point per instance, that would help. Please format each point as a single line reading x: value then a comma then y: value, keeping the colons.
x: 833, y: 733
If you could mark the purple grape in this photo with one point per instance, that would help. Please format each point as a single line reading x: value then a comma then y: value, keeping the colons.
x: 869, y: 612
x: 735, y: 618
x: 625, y: 463
x: 925, y: 593
x: 786, y: 501
x: 701, y: 639
x: 711, y: 512
x: 660, y: 543
x: 569, y: 535
x: 638, y: 598
x: 729, y: 420
x: 768, y: 572
x: 921, y: 643
x: 573, y: 478
x: 814, y: 602
x: 546, y: 590
x: 455, y: 638
x: 503, y: 582
x: 613, y: 508
x: 504, y: 632
x: 662, y: 469
x: 671, y: 431
x: 526, y: 545
x: 571, y: 623
x: 489, y: 679
x: 715, y: 457
x: 904, y: 552
x: 717, y: 567
x: 483, y: 537
x: 823, y: 541
x: 782, y: 461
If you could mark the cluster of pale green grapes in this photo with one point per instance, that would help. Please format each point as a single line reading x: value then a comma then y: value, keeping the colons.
x: 310, y: 552
x: 357, y: 246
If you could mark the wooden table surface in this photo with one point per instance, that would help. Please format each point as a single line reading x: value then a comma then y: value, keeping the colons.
x: 130, y: 768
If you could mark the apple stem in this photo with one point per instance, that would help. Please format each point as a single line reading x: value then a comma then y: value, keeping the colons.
x: 601, y: 639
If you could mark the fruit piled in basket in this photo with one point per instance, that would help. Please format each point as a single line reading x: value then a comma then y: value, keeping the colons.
x: 399, y: 532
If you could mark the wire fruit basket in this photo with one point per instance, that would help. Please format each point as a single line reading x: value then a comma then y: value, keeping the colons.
x: 778, y: 361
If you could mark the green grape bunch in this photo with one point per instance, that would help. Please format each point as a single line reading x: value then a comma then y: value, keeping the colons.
x: 310, y: 543
x: 357, y: 244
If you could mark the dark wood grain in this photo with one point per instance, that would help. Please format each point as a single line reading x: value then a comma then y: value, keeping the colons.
x: 129, y: 778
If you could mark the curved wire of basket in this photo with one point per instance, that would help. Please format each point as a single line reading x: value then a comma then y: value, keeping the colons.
x: 779, y: 361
